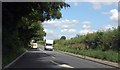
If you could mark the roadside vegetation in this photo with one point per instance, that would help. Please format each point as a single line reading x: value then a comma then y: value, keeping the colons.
x: 41, y: 42
x: 22, y: 22
x: 101, y: 44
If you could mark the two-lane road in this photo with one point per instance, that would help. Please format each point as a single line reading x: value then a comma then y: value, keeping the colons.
x: 38, y: 58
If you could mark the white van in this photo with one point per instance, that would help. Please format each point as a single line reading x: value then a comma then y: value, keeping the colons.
x: 48, y: 45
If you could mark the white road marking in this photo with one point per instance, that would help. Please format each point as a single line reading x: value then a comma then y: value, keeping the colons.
x: 53, y: 57
x: 39, y: 49
x: 42, y: 50
x: 54, y: 62
x: 66, y: 66
x: 62, y: 65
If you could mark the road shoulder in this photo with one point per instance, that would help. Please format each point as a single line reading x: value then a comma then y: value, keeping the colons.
x: 116, y: 65
x: 7, y: 66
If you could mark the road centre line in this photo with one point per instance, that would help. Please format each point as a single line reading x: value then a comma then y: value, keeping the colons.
x: 42, y: 50
x: 53, y: 57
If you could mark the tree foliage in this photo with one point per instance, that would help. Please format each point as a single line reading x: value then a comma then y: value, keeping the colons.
x: 63, y: 38
x: 107, y: 40
x: 21, y: 22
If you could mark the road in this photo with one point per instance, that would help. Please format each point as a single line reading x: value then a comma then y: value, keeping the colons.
x: 39, y: 58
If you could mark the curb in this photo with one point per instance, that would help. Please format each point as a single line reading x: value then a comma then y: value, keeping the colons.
x: 15, y: 60
x: 112, y: 64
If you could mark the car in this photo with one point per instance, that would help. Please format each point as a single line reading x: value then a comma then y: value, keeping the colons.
x: 34, y: 45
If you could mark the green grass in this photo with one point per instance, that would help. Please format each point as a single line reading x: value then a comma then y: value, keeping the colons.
x: 96, y: 53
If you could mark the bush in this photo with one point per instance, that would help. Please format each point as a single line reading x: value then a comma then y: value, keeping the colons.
x: 101, y: 45
x: 41, y: 42
x: 107, y: 55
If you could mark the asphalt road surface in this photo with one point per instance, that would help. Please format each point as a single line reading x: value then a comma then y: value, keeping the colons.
x: 39, y: 58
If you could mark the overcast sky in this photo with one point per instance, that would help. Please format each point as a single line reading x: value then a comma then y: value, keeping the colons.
x: 82, y: 18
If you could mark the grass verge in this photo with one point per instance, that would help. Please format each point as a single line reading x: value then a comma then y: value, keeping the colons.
x: 95, y: 53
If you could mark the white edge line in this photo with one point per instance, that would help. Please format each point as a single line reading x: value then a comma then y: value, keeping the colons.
x: 112, y: 64
x: 62, y: 65
x: 66, y: 66
x: 15, y: 60
x: 54, y: 62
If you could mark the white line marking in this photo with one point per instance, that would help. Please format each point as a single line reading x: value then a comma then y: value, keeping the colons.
x: 62, y: 65
x: 54, y: 62
x: 53, y: 57
x: 66, y: 66
x: 42, y: 50
x: 39, y: 49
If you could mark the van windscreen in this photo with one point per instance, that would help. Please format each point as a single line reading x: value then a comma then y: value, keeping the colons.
x: 49, y: 44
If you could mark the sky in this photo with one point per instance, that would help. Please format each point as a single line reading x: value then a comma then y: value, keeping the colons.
x: 82, y: 18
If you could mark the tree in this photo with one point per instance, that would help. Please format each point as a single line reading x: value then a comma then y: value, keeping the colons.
x: 22, y: 21
x: 25, y: 18
x: 63, y: 38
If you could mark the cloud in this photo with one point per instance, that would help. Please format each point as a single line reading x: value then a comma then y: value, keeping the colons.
x: 51, y: 34
x: 114, y: 15
x: 86, y: 26
x: 66, y: 26
x: 51, y: 23
x: 75, y: 3
x: 106, y: 27
x: 60, y: 23
x: 102, y: 0
x: 86, y: 23
x: 91, y: 0
x: 68, y: 33
x: 69, y: 21
x: 72, y: 30
x: 86, y: 31
x: 69, y: 30
x: 64, y: 30
x: 97, y: 5
x: 48, y: 31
